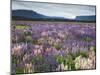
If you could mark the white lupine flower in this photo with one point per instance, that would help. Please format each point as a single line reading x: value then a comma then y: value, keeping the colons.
x: 25, y: 57
x: 28, y: 68
x: 84, y: 63
x: 66, y: 67
x: 91, y: 48
x: 77, y: 65
x: 62, y: 67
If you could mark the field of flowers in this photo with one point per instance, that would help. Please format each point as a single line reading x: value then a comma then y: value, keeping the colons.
x: 38, y: 47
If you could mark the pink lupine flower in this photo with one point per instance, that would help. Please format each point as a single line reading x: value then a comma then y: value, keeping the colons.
x: 44, y: 34
x: 61, y: 35
x: 36, y: 46
x: 16, y: 50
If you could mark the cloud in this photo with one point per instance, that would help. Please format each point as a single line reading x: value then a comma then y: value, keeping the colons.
x: 54, y: 9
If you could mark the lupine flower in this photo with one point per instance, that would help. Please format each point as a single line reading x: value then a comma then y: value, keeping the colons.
x: 47, y: 41
x: 28, y: 68
x: 16, y: 50
x: 62, y: 67
x: 61, y: 35
x: 84, y: 63
x: 44, y: 34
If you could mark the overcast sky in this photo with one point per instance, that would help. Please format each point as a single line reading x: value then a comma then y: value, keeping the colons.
x: 51, y: 9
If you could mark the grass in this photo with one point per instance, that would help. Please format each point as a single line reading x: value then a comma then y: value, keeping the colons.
x: 21, y: 27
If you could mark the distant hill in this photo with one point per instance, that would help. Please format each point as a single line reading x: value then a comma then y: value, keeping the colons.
x: 32, y: 15
x: 86, y: 18
x: 27, y: 14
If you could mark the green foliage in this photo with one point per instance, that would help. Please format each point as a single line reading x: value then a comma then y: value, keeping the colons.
x: 42, y: 67
x: 28, y: 39
x: 14, y: 60
x: 87, y: 39
x: 94, y: 49
x: 19, y: 70
x: 35, y: 42
x: 60, y: 59
x: 66, y: 61
x: 57, y: 46
x: 37, y: 58
x: 45, y: 68
x: 82, y: 53
x: 27, y: 33
x: 22, y: 38
x: 70, y: 63
x: 21, y: 27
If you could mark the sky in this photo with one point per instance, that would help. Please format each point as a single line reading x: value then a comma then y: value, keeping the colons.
x: 54, y: 9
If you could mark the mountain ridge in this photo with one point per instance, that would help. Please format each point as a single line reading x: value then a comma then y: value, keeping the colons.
x: 33, y: 15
